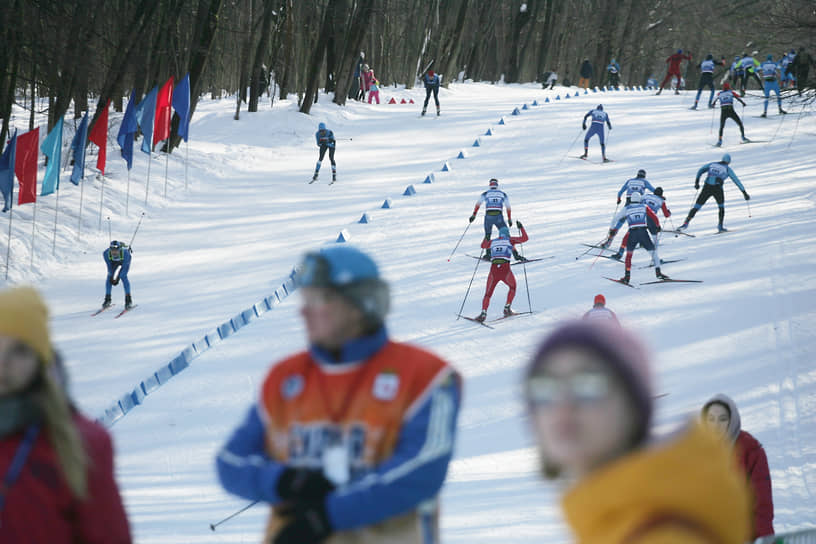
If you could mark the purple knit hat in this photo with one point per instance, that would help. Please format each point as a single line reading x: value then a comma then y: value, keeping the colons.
x: 625, y: 354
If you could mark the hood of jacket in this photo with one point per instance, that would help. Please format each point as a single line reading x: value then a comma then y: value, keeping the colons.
x: 735, y: 423
x: 689, y: 479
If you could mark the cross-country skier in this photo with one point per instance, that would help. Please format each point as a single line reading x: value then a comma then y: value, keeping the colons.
x: 726, y: 98
x: 706, y: 80
x: 749, y: 65
x: 674, y: 70
x: 501, y: 249
x: 638, y: 184
x: 350, y: 439
x: 431, y: 81
x: 600, y: 312
x: 735, y: 72
x: 494, y: 200
x: 613, y: 71
x: 716, y: 172
x: 599, y: 117
x: 656, y: 202
x: 637, y: 215
x: 769, y: 70
x: 325, y: 140
x: 117, y: 258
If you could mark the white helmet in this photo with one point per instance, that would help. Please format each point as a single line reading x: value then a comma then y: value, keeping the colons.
x: 635, y: 197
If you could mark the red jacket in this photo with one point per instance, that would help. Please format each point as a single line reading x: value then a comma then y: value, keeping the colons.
x: 675, y: 60
x: 39, y: 506
x: 754, y: 464
x: 513, y: 239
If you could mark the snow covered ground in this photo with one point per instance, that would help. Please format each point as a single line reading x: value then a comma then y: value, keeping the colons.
x: 204, y: 254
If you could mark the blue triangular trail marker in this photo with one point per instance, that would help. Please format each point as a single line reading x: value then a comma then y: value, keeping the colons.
x: 386, y: 203
x: 501, y: 121
x: 603, y: 90
x: 586, y: 92
x: 344, y: 236
x: 546, y: 100
x: 488, y: 133
x: 516, y: 111
x: 445, y: 167
x: 576, y: 93
x: 525, y: 107
x: 535, y: 102
x: 595, y: 90
x: 409, y: 191
x: 476, y: 143
x: 364, y: 218
x: 461, y: 155
x: 566, y: 95
x: 558, y: 97
x: 429, y: 179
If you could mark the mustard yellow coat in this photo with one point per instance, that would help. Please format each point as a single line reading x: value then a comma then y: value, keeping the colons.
x: 685, y: 490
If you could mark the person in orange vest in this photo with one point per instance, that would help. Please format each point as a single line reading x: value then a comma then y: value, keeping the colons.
x: 352, y: 437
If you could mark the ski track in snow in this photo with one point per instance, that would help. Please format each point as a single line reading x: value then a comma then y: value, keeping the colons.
x: 205, y: 254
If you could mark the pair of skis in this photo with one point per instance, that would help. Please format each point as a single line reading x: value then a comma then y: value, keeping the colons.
x: 667, y: 280
x: 117, y: 316
x: 525, y: 260
x: 487, y: 324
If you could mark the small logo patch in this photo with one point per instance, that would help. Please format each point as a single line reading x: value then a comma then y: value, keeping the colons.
x: 386, y: 386
x: 292, y: 386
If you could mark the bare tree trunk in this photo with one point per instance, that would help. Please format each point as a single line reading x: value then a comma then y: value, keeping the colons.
x: 258, y: 79
x: 355, y: 35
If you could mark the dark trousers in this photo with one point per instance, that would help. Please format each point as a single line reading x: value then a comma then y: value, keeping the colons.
x: 428, y: 91
x: 708, y: 191
x: 323, y: 149
x: 727, y: 112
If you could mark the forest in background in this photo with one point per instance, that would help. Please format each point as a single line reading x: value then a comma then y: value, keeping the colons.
x: 69, y: 52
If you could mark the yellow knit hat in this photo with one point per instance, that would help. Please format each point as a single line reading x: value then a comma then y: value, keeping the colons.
x: 23, y: 316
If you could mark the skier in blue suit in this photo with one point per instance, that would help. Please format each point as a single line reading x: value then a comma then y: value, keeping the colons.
x: 117, y: 258
x: 713, y: 186
x: 599, y: 117
x: 637, y: 184
x: 706, y: 80
x: 432, y: 82
x: 769, y: 71
x: 325, y: 140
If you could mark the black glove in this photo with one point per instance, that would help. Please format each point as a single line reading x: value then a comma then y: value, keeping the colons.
x: 310, y: 524
x: 697, y: 184
x: 471, y: 218
x: 612, y: 233
x: 510, y: 222
x: 519, y: 225
x: 115, y: 282
x: 583, y: 126
x: 618, y: 200
x: 746, y: 195
x: 303, y: 485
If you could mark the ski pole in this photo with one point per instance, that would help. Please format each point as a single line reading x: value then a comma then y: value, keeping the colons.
x: 524, y: 267
x: 459, y: 242
x: 244, y: 509
x: 590, y: 248
x: 137, y: 229
x: 748, y: 204
x: 570, y: 147
x: 110, y: 237
x: 346, y: 139
x: 459, y: 314
x: 711, y: 128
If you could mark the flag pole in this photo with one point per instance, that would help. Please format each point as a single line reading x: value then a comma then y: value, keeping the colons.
x: 81, y: 194
x: 101, y: 199
x: 166, y: 164
x: 186, y: 160
x: 8, y: 247
x: 127, y: 197
x: 56, y: 214
x: 33, y: 233
x: 147, y: 183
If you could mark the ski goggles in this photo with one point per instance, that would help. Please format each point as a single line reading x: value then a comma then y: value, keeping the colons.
x: 582, y: 388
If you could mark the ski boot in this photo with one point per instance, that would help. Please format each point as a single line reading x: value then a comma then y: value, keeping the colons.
x: 782, y: 112
x: 617, y: 256
x: 314, y: 178
x: 107, y: 302
x: 438, y: 113
x: 684, y: 226
x: 128, y: 302
x: 486, y: 255
x: 694, y: 107
x: 481, y: 317
x: 508, y: 311
x: 658, y: 92
x: 625, y: 278
x: 719, y: 143
x: 720, y: 228
x: 676, y: 91
x: 334, y: 177
x: 711, y: 106
x: 423, y: 112
x: 745, y: 140
x: 606, y: 160
x: 584, y: 156
x: 764, y: 114
x: 517, y: 256
x: 660, y: 275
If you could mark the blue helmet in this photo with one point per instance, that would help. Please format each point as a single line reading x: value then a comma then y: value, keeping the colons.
x: 710, y: 57
x: 353, y: 275
x: 321, y: 126
x: 679, y: 51
x: 504, y: 232
x: 726, y: 158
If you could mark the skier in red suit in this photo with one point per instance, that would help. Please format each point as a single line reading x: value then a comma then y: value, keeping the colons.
x: 501, y: 249
x: 674, y: 69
